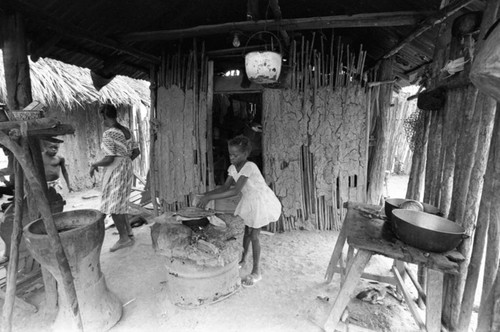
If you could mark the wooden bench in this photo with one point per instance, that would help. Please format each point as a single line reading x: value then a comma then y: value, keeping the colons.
x: 367, y: 236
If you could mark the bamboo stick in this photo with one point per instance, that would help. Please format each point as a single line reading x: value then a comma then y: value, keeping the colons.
x: 302, y: 66
x: 332, y: 61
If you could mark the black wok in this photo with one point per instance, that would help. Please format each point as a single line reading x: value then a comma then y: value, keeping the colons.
x: 395, y: 203
x: 426, y: 231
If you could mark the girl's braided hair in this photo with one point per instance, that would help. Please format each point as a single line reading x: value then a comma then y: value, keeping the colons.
x: 242, y: 142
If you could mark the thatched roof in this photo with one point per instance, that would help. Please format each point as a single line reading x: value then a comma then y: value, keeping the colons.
x: 57, y: 83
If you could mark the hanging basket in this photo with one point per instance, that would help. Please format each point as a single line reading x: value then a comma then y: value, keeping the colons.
x: 485, y: 70
x: 263, y: 67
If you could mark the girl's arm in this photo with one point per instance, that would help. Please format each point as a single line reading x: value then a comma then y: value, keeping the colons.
x: 223, y: 192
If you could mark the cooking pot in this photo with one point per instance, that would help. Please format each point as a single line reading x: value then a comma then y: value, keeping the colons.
x: 426, y: 231
x: 202, y: 222
x: 395, y: 203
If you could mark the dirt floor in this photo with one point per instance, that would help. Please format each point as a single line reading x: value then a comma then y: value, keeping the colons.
x: 291, y: 291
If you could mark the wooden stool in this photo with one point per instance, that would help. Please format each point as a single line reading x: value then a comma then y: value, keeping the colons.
x: 371, y: 236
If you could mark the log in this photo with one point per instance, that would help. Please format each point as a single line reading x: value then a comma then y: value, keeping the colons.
x: 313, y: 23
x: 466, y: 194
x: 481, y: 226
x: 15, y: 61
x: 416, y: 181
x: 429, y: 23
x: 152, y: 141
x: 486, y: 309
x: 17, y: 232
x: 379, y: 158
x: 210, y: 154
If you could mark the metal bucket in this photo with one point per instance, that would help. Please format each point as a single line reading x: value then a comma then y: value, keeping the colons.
x: 263, y: 67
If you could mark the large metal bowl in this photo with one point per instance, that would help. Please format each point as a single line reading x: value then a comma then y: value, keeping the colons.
x: 395, y: 203
x: 426, y: 231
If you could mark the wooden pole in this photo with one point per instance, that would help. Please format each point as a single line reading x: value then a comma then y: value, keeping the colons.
x: 377, y: 167
x: 153, y: 133
x: 481, y: 225
x: 310, y: 23
x: 15, y: 61
x: 17, y: 232
x: 430, y: 22
x: 487, y: 313
x: 46, y: 215
x: 210, y: 152
x: 73, y: 31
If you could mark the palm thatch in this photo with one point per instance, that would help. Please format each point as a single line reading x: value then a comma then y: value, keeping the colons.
x: 59, y: 84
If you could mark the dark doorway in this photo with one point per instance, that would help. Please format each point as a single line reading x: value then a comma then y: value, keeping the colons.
x: 236, y: 114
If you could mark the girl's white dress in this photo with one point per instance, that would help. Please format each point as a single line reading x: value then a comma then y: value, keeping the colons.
x: 258, y: 205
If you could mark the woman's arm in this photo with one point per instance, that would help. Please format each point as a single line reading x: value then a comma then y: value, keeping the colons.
x: 223, y: 192
x: 106, y: 161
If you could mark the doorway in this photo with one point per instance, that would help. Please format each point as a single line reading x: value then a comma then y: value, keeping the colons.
x: 235, y: 114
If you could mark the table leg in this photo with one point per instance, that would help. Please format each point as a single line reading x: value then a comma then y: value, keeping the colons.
x: 354, y: 272
x: 337, y: 254
x: 434, y: 300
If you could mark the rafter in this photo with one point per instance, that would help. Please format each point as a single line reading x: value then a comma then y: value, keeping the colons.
x: 429, y: 23
x: 69, y: 30
x: 323, y: 22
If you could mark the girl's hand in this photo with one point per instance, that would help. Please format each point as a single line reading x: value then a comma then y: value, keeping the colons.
x: 202, y: 203
x: 93, y: 169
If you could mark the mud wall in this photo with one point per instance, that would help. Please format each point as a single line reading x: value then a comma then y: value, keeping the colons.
x: 315, y: 153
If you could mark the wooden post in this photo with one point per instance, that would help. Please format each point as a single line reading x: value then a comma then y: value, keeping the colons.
x: 476, y: 258
x: 417, y: 173
x: 210, y: 152
x: 15, y: 61
x: 472, y: 147
x: 379, y: 158
x: 55, y: 241
x: 152, y: 142
x: 17, y: 231
x: 487, y: 314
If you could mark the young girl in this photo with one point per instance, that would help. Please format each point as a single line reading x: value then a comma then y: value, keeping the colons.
x: 258, y: 206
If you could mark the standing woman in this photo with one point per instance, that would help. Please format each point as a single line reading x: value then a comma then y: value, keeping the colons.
x: 120, y: 148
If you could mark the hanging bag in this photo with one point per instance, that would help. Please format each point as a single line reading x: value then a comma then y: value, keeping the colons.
x: 485, y: 71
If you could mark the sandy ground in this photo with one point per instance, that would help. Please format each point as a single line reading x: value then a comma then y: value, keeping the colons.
x: 292, y: 288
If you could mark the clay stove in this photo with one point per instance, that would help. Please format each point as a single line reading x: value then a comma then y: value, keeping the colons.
x: 202, y: 264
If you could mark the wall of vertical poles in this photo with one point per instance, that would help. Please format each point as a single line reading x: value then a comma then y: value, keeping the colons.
x: 180, y: 120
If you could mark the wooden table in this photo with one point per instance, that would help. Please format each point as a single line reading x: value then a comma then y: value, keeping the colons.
x: 372, y: 236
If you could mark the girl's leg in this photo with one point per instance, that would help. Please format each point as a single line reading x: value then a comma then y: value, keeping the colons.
x: 120, y: 221
x: 246, y: 244
x: 254, y: 237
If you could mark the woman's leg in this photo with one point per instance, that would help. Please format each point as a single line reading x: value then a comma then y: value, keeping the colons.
x: 246, y: 244
x: 254, y: 237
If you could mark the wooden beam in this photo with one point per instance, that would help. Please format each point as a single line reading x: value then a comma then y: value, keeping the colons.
x: 69, y: 30
x: 429, y: 23
x: 311, y: 23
